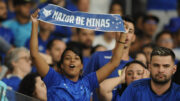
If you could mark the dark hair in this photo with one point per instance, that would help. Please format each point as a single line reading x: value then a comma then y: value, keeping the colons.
x: 75, y: 49
x: 27, y: 85
x: 78, y: 30
x: 162, y: 51
x: 135, y: 62
x: 95, y: 47
x: 151, y: 45
x: 148, y: 17
x: 115, y: 2
x: 50, y: 43
x: 162, y: 33
x: 128, y: 18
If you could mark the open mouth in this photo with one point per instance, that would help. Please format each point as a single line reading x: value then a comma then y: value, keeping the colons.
x: 72, y: 66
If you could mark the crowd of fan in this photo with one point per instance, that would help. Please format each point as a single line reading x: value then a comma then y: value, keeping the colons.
x: 71, y: 64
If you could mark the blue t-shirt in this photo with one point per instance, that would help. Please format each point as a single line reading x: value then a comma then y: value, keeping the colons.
x: 85, y: 62
x: 98, y: 60
x: 13, y: 82
x: 141, y: 91
x: 21, y: 31
x: 7, y: 35
x: 59, y: 88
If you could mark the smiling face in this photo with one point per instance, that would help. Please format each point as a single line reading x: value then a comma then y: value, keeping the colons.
x: 161, y: 69
x: 134, y: 72
x: 71, y: 65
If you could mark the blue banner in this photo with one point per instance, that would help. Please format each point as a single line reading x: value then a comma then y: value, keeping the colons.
x: 63, y: 17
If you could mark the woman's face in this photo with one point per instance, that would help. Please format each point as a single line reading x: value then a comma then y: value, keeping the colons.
x: 134, y: 72
x: 71, y: 65
x: 40, y: 89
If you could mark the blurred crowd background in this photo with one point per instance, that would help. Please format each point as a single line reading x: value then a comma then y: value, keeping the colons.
x: 157, y: 23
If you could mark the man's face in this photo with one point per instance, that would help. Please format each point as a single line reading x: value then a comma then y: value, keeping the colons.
x: 116, y: 9
x: 24, y: 10
x: 161, y: 69
x: 3, y: 11
x: 86, y: 37
x: 165, y: 41
x: 57, y: 49
x: 150, y: 27
x: 130, y: 35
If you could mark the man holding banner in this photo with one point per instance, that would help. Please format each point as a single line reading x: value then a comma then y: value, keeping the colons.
x: 69, y: 86
x: 99, y: 59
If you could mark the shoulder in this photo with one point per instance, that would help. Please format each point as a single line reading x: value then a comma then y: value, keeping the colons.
x: 176, y: 87
x: 108, y: 52
x: 139, y: 84
x: 8, y: 22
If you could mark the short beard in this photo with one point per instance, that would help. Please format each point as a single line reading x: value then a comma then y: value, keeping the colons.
x: 160, y: 82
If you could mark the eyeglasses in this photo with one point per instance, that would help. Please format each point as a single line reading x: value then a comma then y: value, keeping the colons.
x: 166, y: 41
x: 25, y: 58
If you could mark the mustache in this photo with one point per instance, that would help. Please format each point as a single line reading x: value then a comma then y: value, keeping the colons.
x: 160, y: 75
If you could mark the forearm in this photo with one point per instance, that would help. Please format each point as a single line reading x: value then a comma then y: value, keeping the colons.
x: 34, y: 40
x: 106, y: 70
x: 40, y: 63
x: 109, y: 84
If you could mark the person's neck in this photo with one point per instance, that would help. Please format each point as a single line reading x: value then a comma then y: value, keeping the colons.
x: 87, y: 52
x: 74, y: 79
x: 19, y: 73
x: 159, y: 89
x: 22, y: 20
x: 107, y: 39
x: 125, y: 55
x: 44, y: 34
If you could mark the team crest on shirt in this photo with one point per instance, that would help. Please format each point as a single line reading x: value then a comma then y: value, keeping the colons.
x: 119, y: 72
x: 107, y: 57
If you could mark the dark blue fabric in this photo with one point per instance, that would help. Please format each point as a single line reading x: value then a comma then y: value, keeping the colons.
x: 161, y: 4
x: 13, y: 82
x: 141, y: 91
x: 7, y: 35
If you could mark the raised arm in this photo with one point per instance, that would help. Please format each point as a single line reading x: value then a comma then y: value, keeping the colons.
x: 107, y: 69
x: 38, y: 60
x: 106, y: 87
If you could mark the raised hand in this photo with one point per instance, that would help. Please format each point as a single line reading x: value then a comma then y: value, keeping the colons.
x: 34, y: 16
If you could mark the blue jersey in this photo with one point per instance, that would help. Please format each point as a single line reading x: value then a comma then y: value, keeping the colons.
x: 21, y: 31
x: 98, y: 60
x: 59, y: 88
x: 85, y: 62
x: 141, y: 91
x: 7, y: 35
x: 12, y: 82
